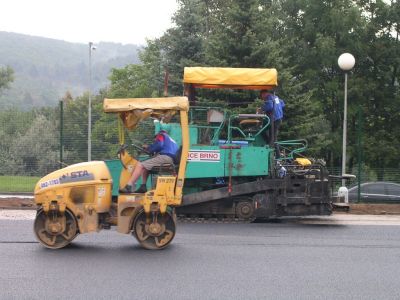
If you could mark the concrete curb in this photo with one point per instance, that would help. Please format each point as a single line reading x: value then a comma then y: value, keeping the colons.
x: 16, y: 193
x: 25, y: 201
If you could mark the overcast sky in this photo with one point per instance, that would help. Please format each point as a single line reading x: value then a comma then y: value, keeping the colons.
x: 121, y: 21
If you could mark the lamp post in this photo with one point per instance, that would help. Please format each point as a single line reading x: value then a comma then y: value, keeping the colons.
x: 346, y: 62
x: 91, y: 48
x: 61, y: 131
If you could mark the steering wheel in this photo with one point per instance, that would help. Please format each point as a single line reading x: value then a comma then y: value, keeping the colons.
x: 140, y: 148
x: 121, y: 149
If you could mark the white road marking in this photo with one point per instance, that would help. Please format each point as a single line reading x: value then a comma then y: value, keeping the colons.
x: 2, y: 196
x: 350, y: 219
x: 9, y: 214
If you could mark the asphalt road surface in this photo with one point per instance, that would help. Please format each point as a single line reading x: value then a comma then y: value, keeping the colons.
x: 287, y: 260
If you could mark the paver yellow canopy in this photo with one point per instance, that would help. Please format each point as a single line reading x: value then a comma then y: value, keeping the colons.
x: 78, y: 198
x: 235, y: 78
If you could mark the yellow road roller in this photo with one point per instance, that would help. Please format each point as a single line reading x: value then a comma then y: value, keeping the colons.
x: 78, y: 199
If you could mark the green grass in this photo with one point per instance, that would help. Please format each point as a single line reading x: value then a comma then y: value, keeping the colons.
x: 22, y: 184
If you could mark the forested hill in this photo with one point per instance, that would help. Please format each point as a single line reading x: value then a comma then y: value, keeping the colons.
x: 45, y: 69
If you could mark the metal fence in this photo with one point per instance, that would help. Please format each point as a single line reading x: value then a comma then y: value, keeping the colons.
x: 365, y: 174
x: 32, y: 144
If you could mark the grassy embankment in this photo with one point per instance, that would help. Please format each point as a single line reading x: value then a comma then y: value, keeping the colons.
x: 21, y: 184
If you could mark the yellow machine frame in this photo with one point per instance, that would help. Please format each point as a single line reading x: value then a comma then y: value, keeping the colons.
x: 168, y: 190
x: 78, y: 198
x: 134, y: 110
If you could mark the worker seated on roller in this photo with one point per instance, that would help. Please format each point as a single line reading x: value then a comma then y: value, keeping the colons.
x: 164, y: 149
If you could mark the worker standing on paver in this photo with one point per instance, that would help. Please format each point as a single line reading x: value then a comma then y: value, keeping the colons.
x: 273, y: 106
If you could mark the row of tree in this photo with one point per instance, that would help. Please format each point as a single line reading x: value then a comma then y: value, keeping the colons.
x: 301, y: 38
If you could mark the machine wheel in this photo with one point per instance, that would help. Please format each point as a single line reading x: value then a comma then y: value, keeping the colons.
x: 154, y: 231
x: 245, y: 210
x: 55, y: 230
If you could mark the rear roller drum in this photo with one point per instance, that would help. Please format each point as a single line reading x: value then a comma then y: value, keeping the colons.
x: 55, y: 230
x: 154, y: 231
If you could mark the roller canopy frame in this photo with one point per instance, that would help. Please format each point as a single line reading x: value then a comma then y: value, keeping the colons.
x: 133, y: 110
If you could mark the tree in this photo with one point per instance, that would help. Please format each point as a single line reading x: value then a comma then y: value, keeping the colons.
x: 321, y: 31
x: 379, y: 88
x: 6, y: 77
x: 131, y: 81
x: 13, y: 123
x: 76, y: 128
x: 35, y: 152
x: 234, y: 33
x: 183, y: 44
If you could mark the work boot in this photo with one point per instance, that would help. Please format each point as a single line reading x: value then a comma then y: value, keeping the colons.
x: 128, y: 189
x: 142, y: 189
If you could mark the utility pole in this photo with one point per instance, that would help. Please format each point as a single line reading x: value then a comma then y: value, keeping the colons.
x: 91, y: 47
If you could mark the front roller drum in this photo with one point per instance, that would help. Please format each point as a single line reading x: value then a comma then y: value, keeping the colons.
x: 154, y: 230
x: 55, y: 230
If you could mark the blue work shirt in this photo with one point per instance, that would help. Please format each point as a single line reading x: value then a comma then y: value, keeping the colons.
x: 164, y: 144
x: 275, y: 104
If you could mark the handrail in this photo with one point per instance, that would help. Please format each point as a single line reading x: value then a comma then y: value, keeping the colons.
x: 243, y: 116
x: 300, y: 144
x: 216, y: 129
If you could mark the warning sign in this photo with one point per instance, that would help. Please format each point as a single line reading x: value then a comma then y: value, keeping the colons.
x: 204, y: 156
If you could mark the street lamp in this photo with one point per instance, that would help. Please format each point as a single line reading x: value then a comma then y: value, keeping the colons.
x: 346, y: 62
x: 91, y: 48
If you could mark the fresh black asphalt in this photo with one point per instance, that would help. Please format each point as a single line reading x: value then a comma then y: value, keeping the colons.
x: 207, y: 261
